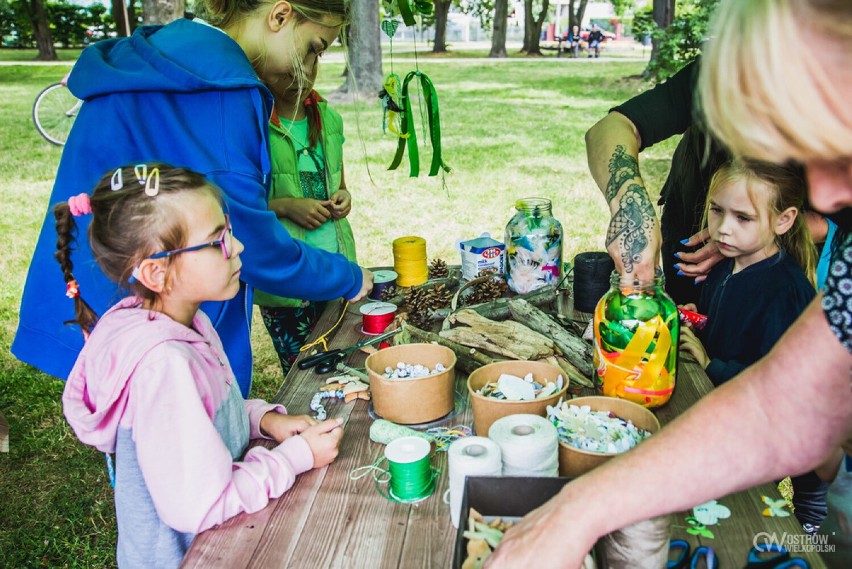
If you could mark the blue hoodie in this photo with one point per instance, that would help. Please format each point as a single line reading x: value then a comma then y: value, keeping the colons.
x: 184, y: 94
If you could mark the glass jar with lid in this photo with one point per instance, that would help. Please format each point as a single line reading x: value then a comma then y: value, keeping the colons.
x: 533, y: 246
x: 636, y: 341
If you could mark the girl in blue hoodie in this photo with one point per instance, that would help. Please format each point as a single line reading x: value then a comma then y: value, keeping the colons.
x: 193, y: 94
x: 152, y: 385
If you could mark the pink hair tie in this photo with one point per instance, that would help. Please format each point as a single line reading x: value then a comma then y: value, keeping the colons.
x: 80, y: 205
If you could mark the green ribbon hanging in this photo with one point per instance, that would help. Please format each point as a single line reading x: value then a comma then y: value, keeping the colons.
x: 434, y: 122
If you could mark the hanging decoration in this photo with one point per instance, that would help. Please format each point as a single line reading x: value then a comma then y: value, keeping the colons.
x: 398, y: 114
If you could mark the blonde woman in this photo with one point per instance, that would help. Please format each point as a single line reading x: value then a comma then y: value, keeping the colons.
x: 769, y: 99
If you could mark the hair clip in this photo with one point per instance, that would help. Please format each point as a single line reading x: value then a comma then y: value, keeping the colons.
x: 153, y: 188
x: 72, y: 289
x: 144, y: 168
x: 117, y: 181
x: 80, y: 205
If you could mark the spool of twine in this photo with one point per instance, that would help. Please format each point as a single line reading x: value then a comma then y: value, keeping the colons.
x: 471, y: 456
x: 528, y: 444
x: 411, y: 476
x: 376, y: 316
x: 643, y: 545
x: 385, y: 432
x: 409, y: 261
x: 592, y: 271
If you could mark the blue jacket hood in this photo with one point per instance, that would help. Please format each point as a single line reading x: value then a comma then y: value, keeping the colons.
x: 140, y: 64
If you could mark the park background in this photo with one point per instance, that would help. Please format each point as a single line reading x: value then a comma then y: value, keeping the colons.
x: 512, y: 127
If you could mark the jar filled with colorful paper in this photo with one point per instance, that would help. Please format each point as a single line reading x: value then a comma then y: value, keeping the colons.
x: 533, y: 246
x: 636, y: 341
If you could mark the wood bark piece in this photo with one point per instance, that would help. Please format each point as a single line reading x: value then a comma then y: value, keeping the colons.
x: 575, y: 349
x: 467, y: 359
x: 574, y: 375
x: 507, y: 338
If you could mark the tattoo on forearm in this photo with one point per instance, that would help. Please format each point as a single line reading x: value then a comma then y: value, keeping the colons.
x: 632, y: 225
x: 622, y: 167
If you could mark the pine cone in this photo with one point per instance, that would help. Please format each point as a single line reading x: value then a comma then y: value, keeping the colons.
x: 438, y: 269
x: 416, y: 299
x: 489, y: 290
x: 420, y: 319
x: 439, y: 297
x: 390, y: 292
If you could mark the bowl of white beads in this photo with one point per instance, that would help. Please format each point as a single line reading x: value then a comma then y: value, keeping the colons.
x: 513, y: 387
x: 412, y: 383
x: 593, y: 429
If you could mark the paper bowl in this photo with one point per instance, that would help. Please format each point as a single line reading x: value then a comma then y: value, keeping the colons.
x: 573, y: 461
x: 412, y: 401
x: 486, y: 410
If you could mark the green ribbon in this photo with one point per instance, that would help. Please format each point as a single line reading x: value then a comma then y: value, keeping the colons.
x: 406, y: 12
x: 431, y: 99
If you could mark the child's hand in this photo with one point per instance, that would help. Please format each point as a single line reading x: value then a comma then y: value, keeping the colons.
x: 324, y: 439
x: 341, y: 203
x: 691, y: 344
x: 366, y: 286
x: 698, y: 263
x: 278, y: 427
x: 308, y: 212
x: 692, y: 308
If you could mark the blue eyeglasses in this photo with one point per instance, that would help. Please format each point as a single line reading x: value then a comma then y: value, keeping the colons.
x: 225, y: 241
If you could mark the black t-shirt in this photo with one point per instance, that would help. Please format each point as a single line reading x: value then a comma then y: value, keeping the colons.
x: 658, y: 114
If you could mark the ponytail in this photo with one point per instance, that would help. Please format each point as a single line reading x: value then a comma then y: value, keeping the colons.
x: 66, y: 230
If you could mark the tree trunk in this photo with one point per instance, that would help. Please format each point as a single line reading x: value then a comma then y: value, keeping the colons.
x: 365, y: 50
x: 664, y: 12
x: 162, y: 11
x: 442, y: 10
x: 123, y: 27
x: 498, y: 35
x: 532, y: 27
x: 575, y: 17
x: 41, y: 31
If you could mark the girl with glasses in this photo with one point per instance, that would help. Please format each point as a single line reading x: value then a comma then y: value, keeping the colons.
x: 152, y: 383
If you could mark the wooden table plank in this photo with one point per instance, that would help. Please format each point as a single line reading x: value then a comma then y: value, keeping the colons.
x: 329, y: 520
x: 4, y: 433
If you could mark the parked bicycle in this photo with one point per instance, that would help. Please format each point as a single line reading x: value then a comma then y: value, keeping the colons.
x: 54, y: 112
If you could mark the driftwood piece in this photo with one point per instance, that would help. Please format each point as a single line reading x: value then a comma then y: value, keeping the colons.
x: 499, y: 309
x: 507, y: 338
x: 467, y: 358
x: 574, y: 375
x: 575, y: 349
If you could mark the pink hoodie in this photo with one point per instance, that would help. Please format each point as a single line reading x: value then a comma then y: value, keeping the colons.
x: 143, y: 374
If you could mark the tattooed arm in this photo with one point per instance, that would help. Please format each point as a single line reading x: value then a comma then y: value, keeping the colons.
x: 633, y: 238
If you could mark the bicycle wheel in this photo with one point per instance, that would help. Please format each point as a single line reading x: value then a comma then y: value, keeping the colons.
x: 54, y: 112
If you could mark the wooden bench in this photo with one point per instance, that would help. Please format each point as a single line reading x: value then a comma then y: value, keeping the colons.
x: 4, y: 433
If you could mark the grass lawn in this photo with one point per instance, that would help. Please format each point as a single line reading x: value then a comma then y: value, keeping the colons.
x: 511, y: 129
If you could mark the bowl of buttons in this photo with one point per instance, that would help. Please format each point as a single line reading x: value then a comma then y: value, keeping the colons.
x: 412, y: 383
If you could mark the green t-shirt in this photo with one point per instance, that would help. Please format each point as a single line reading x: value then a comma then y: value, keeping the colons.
x: 313, y: 181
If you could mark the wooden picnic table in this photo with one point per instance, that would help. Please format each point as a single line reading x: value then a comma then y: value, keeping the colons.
x: 329, y: 520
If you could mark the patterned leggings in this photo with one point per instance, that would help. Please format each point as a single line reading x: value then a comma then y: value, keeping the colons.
x: 289, y: 328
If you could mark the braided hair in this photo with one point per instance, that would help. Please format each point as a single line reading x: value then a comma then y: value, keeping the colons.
x: 129, y: 223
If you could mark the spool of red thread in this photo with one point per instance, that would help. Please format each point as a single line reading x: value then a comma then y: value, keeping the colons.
x: 376, y: 316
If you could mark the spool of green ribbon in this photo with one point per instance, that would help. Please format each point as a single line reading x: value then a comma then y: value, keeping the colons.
x: 412, y: 478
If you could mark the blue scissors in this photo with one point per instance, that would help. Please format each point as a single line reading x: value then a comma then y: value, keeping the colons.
x: 773, y: 556
x: 683, y: 560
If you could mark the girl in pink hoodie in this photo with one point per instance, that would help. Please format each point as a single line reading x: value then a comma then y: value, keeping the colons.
x: 153, y: 385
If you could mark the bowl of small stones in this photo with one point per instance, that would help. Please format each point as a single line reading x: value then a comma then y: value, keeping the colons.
x: 512, y: 387
x: 593, y: 429
x: 412, y: 383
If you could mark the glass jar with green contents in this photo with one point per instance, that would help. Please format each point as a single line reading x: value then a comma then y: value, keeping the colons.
x: 533, y: 246
x: 636, y: 341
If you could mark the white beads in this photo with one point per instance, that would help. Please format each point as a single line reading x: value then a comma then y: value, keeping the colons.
x: 410, y: 371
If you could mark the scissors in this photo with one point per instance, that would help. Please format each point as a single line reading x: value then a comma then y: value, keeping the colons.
x: 326, y: 361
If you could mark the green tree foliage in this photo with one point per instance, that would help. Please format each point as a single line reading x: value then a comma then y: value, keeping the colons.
x: 71, y: 25
x: 681, y: 42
